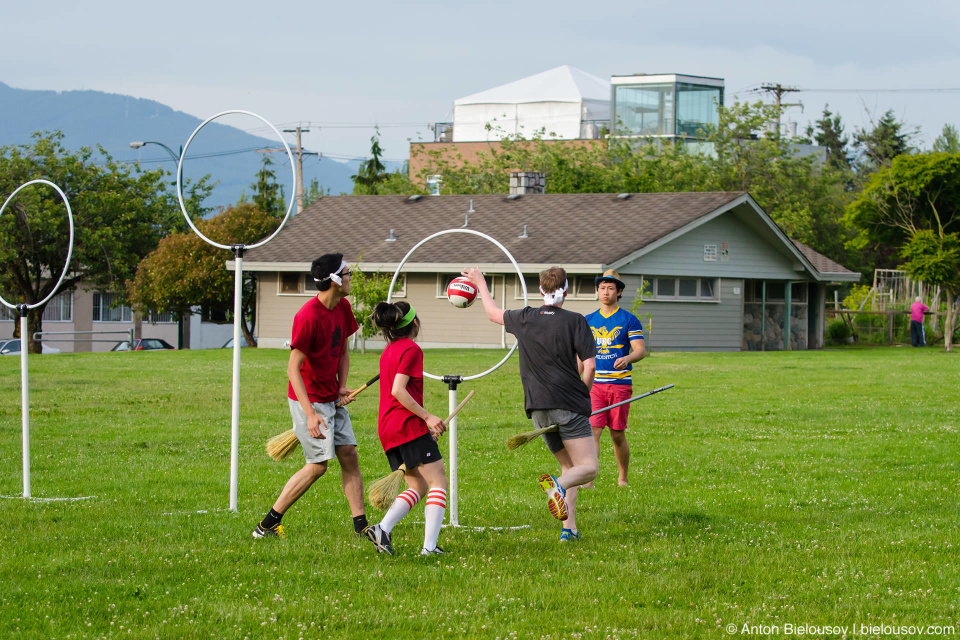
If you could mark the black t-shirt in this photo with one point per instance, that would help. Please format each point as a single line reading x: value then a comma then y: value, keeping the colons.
x: 550, y: 340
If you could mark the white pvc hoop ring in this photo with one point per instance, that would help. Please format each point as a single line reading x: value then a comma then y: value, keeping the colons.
x: 183, y: 154
x: 69, y: 247
x: 471, y: 232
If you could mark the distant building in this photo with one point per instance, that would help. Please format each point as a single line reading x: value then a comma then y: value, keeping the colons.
x: 669, y: 106
x: 89, y: 320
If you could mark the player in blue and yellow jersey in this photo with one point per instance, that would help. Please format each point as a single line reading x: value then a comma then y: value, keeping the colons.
x: 619, y: 337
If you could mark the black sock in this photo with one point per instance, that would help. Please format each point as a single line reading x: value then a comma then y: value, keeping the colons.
x: 271, y: 520
x: 359, y: 522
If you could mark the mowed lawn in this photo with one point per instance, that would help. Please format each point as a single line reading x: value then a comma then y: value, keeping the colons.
x: 808, y: 488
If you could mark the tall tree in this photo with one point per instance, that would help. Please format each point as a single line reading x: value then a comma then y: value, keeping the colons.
x: 888, y: 139
x: 184, y: 271
x: 267, y: 194
x: 367, y: 289
x: 829, y: 134
x: 372, y: 172
x: 120, y: 214
x: 948, y: 141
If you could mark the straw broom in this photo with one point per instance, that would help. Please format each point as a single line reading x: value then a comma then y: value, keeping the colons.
x: 383, y: 492
x: 523, y: 438
x: 281, y: 446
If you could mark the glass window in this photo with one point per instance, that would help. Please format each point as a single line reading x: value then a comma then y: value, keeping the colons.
x: 707, y: 288
x: 583, y: 287
x: 533, y: 289
x: 666, y: 287
x: 155, y: 317
x: 290, y: 283
x: 688, y: 288
x: 104, y: 312
x: 645, y: 109
x: 697, y: 107
x: 60, y: 308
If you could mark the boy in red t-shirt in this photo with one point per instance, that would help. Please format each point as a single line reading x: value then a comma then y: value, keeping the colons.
x: 407, y: 431
x: 318, y: 368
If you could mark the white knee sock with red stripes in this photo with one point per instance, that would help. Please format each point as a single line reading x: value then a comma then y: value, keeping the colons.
x: 401, y: 506
x: 433, y: 514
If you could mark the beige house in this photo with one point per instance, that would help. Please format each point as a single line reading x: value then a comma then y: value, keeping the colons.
x: 717, y: 272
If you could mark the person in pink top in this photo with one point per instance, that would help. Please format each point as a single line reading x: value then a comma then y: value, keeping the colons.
x: 917, y: 309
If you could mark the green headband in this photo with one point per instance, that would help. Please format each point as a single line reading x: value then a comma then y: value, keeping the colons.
x: 407, y: 319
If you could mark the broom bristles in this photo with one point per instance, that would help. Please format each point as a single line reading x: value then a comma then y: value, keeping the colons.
x: 383, y: 492
x: 281, y: 446
x: 523, y: 438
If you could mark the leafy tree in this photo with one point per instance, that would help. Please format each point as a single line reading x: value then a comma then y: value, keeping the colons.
x: 367, y: 289
x: 314, y: 193
x: 120, y: 214
x: 948, y: 141
x: 888, y: 139
x: 829, y: 134
x: 913, y: 207
x: 185, y: 271
x: 267, y: 194
x: 372, y: 172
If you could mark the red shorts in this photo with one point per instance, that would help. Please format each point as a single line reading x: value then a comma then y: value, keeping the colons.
x: 603, y: 395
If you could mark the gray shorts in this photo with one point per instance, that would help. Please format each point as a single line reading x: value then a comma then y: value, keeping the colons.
x: 573, y: 426
x: 317, y: 450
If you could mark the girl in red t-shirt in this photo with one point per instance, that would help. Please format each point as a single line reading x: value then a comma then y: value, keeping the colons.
x: 407, y: 431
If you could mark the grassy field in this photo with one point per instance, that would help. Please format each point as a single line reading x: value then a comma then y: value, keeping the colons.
x: 777, y: 489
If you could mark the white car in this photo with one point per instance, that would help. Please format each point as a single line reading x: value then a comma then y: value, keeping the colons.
x: 12, y: 347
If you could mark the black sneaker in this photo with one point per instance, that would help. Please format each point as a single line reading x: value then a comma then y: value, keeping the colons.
x: 436, y: 551
x: 380, y: 539
x: 276, y: 531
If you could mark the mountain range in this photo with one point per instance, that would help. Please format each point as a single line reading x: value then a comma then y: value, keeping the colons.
x: 228, y: 154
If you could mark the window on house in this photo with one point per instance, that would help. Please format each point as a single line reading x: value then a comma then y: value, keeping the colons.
x: 60, y: 308
x: 690, y: 289
x: 291, y: 283
x: 165, y: 317
x: 582, y: 288
x: 105, y: 311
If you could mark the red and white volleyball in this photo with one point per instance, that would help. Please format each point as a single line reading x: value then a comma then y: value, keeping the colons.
x: 461, y: 293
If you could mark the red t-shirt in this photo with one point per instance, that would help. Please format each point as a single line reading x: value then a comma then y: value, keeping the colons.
x: 321, y: 334
x: 397, y: 424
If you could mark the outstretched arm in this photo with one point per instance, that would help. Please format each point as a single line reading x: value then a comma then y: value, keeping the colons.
x: 475, y: 276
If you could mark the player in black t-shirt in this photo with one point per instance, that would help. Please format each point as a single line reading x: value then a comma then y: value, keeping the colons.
x: 551, y: 340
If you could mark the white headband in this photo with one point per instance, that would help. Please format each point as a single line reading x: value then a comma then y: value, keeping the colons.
x: 552, y: 299
x: 333, y: 276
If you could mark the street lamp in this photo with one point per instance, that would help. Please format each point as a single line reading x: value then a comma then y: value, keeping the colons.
x: 176, y: 159
x: 138, y: 144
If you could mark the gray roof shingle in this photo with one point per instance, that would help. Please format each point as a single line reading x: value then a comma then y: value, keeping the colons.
x: 561, y: 228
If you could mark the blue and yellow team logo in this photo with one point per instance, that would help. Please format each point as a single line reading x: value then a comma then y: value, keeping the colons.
x: 605, y: 339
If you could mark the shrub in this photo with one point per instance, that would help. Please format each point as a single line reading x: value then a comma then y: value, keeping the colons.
x: 838, y: 331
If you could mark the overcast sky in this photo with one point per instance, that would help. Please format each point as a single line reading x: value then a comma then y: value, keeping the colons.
x: 343, y: 66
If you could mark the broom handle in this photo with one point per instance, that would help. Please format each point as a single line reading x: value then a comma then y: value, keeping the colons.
x: 459, y: 406
x: 633, y: 399
x: 613, y: 406
x: 353, y: 394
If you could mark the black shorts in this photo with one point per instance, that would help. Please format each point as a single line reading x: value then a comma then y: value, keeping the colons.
x: 422, y: 450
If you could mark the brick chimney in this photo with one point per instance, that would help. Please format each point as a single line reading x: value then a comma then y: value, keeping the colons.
x: 527, y: 182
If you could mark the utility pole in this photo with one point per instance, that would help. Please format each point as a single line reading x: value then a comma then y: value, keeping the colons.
x: 300, y: 153
x: 778, y: 91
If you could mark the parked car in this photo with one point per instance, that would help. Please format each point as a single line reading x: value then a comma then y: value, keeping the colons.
x: 229, y: 343
x: 12, y: 347
x: 143, y: 344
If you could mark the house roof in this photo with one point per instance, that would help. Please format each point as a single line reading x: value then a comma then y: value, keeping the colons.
x: 560, y: 229
x: 562, y: 84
